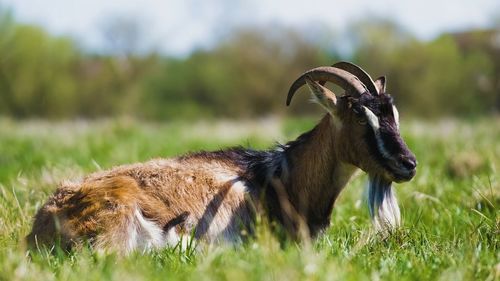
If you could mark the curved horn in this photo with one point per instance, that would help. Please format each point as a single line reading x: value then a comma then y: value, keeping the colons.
x: 344, y: 79
x: 360, y: 73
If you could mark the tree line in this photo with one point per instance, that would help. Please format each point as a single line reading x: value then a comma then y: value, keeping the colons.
x: 245, y: 75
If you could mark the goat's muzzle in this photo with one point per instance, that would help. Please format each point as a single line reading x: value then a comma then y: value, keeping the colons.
x: 404, y: 167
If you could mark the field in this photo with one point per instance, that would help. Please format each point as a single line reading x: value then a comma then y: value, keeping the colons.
x: 451, y: 210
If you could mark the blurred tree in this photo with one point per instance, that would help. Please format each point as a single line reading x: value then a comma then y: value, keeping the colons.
x: 376, y: 40
x: 430, y: 79
x: 437, y: 79
x: 36, y: 73
x: 484, y: 43
x: 122, y: 35
x: 247, y: 74
x: 122, y: 69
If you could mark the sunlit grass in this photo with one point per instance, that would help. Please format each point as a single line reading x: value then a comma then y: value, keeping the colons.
x: 451, y: 214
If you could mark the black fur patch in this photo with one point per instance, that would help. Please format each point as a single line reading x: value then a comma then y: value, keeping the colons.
x: 382, y: 107
x: 175, y: 221
x: 373, y: 148
x: 260, y: 165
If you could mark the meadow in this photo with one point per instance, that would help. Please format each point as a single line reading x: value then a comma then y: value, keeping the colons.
x: 450, y: 210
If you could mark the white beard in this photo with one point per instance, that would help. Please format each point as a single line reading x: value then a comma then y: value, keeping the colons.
x: 383, y: 205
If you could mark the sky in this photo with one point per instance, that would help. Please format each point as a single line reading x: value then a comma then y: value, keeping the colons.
x: 177, y: 27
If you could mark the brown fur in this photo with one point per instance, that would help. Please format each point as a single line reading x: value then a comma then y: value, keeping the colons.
x: 100, y: 207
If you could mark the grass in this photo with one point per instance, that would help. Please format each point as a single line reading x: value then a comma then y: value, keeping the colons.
x: 451, y: 213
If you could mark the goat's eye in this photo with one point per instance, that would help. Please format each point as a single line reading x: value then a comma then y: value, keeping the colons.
x: 362, y: 121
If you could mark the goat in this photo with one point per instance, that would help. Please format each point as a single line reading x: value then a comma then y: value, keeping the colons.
x: 216, y: 196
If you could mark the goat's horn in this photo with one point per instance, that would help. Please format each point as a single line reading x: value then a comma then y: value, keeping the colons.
x: 360, y: 73
x: 344, y: 79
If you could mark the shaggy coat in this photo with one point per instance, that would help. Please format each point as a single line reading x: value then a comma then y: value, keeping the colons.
x: 216, y: 196
x: 211, y: 195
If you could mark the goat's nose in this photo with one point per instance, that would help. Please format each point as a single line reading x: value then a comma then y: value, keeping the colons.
x: 409, y: 163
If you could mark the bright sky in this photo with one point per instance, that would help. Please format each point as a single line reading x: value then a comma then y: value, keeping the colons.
x: 176, y: 27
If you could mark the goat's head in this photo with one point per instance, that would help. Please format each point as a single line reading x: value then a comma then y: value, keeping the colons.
x: 369, y: 126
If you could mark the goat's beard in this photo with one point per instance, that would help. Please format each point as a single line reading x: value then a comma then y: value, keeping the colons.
x: 383, y: 205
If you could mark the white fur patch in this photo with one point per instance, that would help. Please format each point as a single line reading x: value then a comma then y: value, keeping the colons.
x: 218, y: 223
x: 396, y: 115
x: 239, y: 187
x: 143, y: 234
x: 372, y: 119
x: 219, y: 228
x: 173, y: 239
x: 223, y: 176
x: 374, y: 123
x: 383, y: 205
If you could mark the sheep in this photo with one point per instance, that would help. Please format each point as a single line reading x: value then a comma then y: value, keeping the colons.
x: 216, y: 196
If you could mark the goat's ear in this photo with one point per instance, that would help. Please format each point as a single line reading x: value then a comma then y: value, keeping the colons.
x: 322, y: 95
x: 380, y: 84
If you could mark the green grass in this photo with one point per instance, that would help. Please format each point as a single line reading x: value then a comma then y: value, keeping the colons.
x: 451, y: 213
